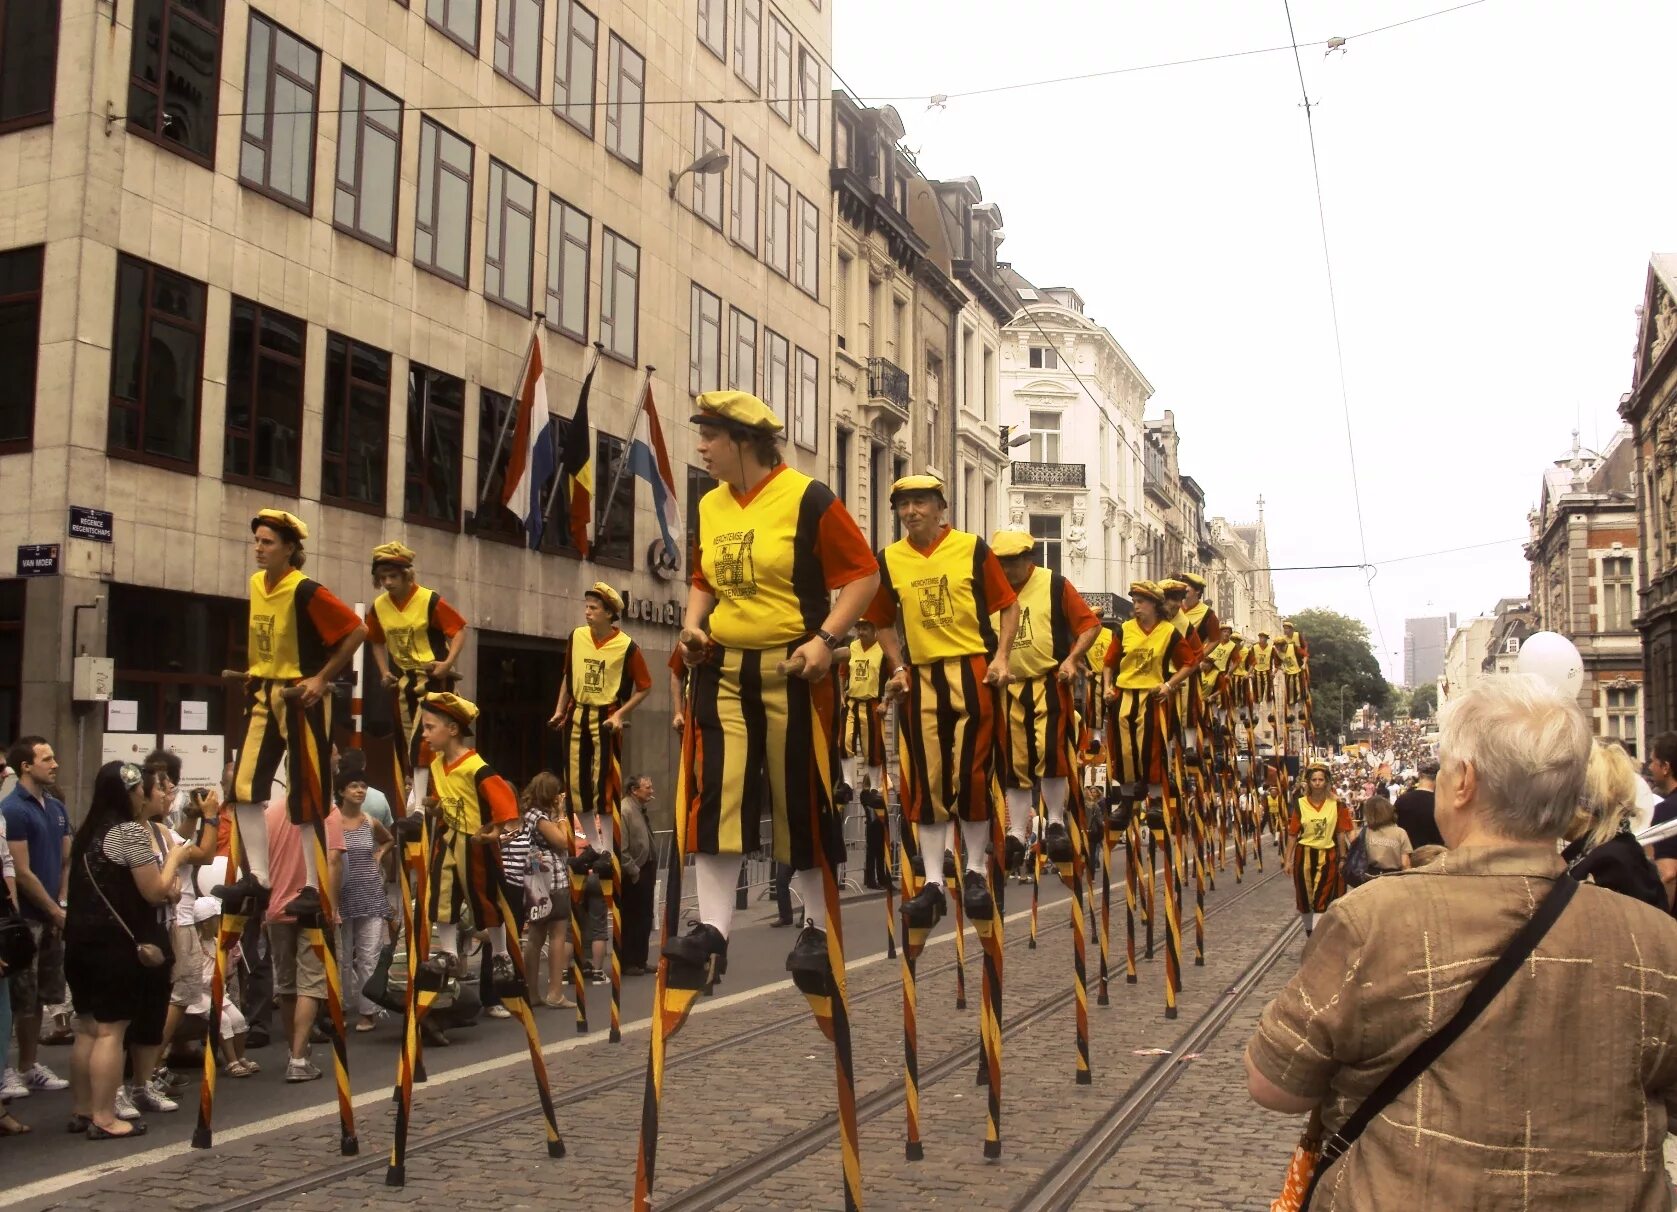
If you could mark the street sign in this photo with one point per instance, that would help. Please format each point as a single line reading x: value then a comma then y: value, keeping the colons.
x: 37, y: 559
x: 86, y: 523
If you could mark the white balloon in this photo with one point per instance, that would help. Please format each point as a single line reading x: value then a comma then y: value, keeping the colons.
x: 1554, y: 658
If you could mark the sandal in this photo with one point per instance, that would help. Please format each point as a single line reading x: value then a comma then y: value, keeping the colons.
x: 78, y: 1124
x: 239, y: 1068
x: 135, y: 1128
x: 10, y: 1125
x: 366, y: 1024
x: 559, y: 1003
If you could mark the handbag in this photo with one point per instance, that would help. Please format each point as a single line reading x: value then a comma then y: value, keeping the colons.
x: 1427, y: 1052
x: 17, y: 944
x: 1357, y: 872
x: 150, y: 955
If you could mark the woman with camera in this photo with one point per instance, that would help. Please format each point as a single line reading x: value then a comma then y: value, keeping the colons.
x: 116, y: 936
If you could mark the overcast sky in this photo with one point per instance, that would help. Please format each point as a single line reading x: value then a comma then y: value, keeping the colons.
x: 1494, y: 181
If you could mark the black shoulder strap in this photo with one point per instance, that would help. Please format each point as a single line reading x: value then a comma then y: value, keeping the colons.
x: 1431, y: 1048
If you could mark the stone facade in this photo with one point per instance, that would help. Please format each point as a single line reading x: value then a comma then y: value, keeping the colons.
x: 1464, y: 657
x: 1241, y: 589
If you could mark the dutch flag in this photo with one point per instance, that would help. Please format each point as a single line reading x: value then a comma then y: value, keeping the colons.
x: 531, y: 461
x: 649, y: 458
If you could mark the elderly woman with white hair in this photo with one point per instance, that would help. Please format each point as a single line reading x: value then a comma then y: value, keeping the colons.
x: 1558, y: 1095
x: 1602, y: 844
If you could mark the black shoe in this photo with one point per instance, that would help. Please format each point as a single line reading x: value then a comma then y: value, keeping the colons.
x: 949, y: 868
x: 505, y: 976
x: 409, y: 829
x: 843, y: 793
x: 922, y: 910
x: 305, y: 904
x: 1118, y: 816
x: 809, y: 954
x: 237, y: 898
x: 1057, y: 841
x: 257, y: 1037
x: 976, y: 899
x: 698, y: 948
x: 780, y: 922
x: 1155, y: 816
x: 1015, y: 852
x: 432, y: 1035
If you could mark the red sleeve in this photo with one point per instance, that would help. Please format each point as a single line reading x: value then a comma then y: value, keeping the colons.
x: 1115, y: 650
x: 1294, y: 822
x: 496, y: 796
x: 637, y: 669
x: 882, y: 611
x: 448, y: 619
x: 1181, y: 653
x: 375, y: 629
x: 1345, y: 822
x: 1078, y: 613
x: 845, y: 556
x: 331, y: 618
x: 998, y: 594
x: 678, y: 664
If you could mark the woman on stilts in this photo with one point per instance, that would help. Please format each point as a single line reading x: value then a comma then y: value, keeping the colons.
x: 1318, y: 835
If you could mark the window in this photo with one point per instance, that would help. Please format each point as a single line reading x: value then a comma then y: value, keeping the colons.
x: 806, y: 425
x: 620, y: 271
x: 443, y: 217
x: 494, y: 520
x: 1045, y: 437
x: 934, y: 404
x: 174, y: 75
x: 567, y: 269
x: 841, y: 465
x: 1621, y: 714
x: 578, y: 38
x: 988, y: 384
x: 777, y: 248
x: 899, y: 469
x: 456, y: 18
x: 708, y: 188
x: 704, y: 342
x: 777, y: 373
x: 877, y: 488
x: 28, y: 61
x: 369, y: 151
x: 436, y: 430
x: 843, y: 137
x: 556, y: 510
x: 157, y: 355
x: 1044, y: 358
x: 742, y: 360
x: 518, y: 43
x: 276, y: 144
x: 1618, y: 593
x: 510, y: 249
x: 20, y: 344
x: 968, y: 371
x: 748, y: 43
x: 614, y: 519
x: 809, y: 97
x: 841, y: 300
x: 989, y: 505
x: 746, y: 197
x: 809, y: 247
x: 713, y: 27
x: 264, y: 396
x: 1511, y: 645
x: 625, y: 89
x: 899, y: 328
x: 699, y: 482
x: 780, y: 69
x: 1045, y: 529
x: 969, y: 502
x: 357, y: 424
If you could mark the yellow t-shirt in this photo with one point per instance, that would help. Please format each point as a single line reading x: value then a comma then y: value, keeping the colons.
x: 407, y: 629
x: 1317, y: 826
x: 864, y: 671
x: 1033, y: 642
x: 942, y: 602
x: 1289, y: 656
x: 1262, y: 654
x: 1142, y: 665
x: 273, y: 626
x: 599, y: 676
x: 470, y: 794
x: 1096, y: 656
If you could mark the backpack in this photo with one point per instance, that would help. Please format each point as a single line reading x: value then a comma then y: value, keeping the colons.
x: 1357, y: 871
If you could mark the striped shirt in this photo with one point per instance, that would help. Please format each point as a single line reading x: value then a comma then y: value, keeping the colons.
x: 362, y: 894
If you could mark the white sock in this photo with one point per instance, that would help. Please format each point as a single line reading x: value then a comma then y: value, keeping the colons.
x: 253, y: 839
x: 1018, y: 811
x: 497, y: 940
x: 1054, y: 793
x: 847, y: 771
x: 311, y: 878
x: 876, y: 777
x: 718, y: 878
x: 445, y: 937
x: 934, y: 840
x: 416, y: 793
x: 974, y: 834
x: 812, y: 890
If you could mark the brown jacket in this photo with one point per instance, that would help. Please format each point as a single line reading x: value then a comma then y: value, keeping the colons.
x: 1556, y: 1098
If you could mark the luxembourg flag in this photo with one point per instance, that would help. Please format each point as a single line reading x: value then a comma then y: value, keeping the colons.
x: 531, y: 461
x: 649, y: 458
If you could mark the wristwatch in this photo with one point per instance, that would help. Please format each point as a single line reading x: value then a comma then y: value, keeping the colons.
x: 828, y: 638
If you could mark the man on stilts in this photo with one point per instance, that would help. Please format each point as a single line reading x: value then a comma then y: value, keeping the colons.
x: 1318, y: 835
x: 862, y: 743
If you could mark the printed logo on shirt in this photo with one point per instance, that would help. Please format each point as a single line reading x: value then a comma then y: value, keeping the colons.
x: 593, y: 675
x: 736, y: 571
x: 937, y: 607
x: 860, y: 670
x: 1023, y: 634
x: 399, y: 640
x: 1316, y: 830
x: 262, y: 631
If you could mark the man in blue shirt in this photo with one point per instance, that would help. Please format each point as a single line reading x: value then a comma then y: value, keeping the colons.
x: 38, y: 832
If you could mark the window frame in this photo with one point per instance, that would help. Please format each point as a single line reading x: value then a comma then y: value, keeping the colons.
x: 259, y: 354
x: 807, y: 263
x: 707, y: 20
x: 709, y: 188
x: 408, y: 477
x: 1043, y: 436
x: 348, y: 384
x: 736, y: 320
x: 780, y: 84
x: 534, y: 88
x: 500, y: 525
x: 809, y: 96
x: 495, y: 238
x: 1618, y: 592
x: 806, y: 422
x: 54, y: 18
x: 565, y: 60
x: 188, y: 464
x: 606, y: 463
x: 770, y: 208
x: 168, y: 10
x: 442, y: 27
x: 608, y: 296
x: 736, y: 192
x: 553, y: 296
x: 1051, y: 558
x: 754, y: 10
x: 265, y: 143
x: 21, y: 298
x: 697, y: 317
x: 614, y: 102
x: 1042, y: 357
x: 361, y: 119
x: 439, y: 165
x: 782, y: 408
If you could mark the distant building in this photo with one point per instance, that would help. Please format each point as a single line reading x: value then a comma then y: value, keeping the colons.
x: 1511, y: 625
x: 1238, y: 576
x: 1464, y: 657
x: 1424, y: 644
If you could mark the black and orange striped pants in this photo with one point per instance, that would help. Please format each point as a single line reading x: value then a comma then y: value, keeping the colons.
x: 1317, y: 878
x: 276, y: 729
x: 465, y: 878
x: 593, y: 760
x: 862, y: 734
x: 1036, y: 740
x: 1135, y: 745
x: 412, y: 685
x: 949, y: 741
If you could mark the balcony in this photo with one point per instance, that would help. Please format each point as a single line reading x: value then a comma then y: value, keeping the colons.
x: 1048, y: 475
x: 1109, y: 605
x: 1154, y: 485
x: 888, y: 384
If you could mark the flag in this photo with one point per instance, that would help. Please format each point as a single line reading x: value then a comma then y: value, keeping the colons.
x: 576, y: 467
x: 649, y: 458
x: 530, y: 461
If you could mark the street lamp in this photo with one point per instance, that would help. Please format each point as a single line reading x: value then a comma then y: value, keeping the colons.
x: 1009, y: 441
x: 710, y: 162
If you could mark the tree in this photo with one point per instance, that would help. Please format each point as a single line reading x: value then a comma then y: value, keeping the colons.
x: 1344, y: 672
x: 1423, y: 703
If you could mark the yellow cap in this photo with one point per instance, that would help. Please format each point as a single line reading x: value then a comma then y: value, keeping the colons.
x: 1172, y: 586
x: 919, y: 483
x: 1009, y: 543
x: 1263, y: 635
x: 281, y: 521
x: 737, y: 410
x: 606, y: 594
x: 1286, y: 622
x: 393, y: 553
x: 1236, y: 637
x: 1194, y: 580
x: 461, y: 711
x: 1146, y: 589
x: 1322, y: 766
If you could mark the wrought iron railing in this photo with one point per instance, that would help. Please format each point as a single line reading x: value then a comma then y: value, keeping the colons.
x: 1049, y: 475
x: 888, y: 381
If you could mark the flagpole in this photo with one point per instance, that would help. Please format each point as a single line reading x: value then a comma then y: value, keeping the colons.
x: 512, y: 411
x: 559, y: 472
x: 623, y: 459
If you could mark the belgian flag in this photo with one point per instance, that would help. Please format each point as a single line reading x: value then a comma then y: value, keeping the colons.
x: 576, y: 469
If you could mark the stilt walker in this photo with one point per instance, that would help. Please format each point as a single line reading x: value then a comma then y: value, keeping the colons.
x: 761, y: 736
x: 576, y: 874
x: 1071, y: 874
x: 914, y: 942
x: 944, y: 587
x: 424, y: 982
x: 300, y: 638
x: 234, y: 918
x: 1318, y: 836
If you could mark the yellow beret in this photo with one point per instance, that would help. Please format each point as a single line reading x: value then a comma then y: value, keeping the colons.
x: 919, y: 483
x: 461, y: 711
x: 1263, y: 635
x: 1194, y: 579
x: 1170, y: 585
x: 1235, y: 636
x: 393, y: 553
x: 606, y: 594
x: 1146, y: 589
x: 1009, y: 543
x: 281, y: 521
x: 1322, y: 766
x: 1286, y: 622
x: 737, y: 410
